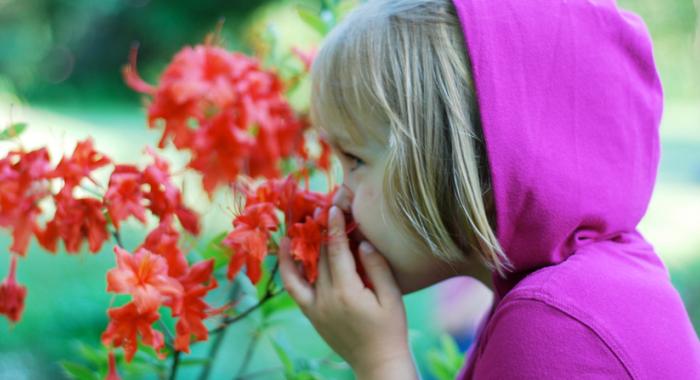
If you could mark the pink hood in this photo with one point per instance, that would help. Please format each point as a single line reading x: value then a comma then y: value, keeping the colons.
x: 570, y: 104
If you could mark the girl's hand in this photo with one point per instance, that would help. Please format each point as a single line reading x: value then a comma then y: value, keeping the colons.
x: 367, y: 328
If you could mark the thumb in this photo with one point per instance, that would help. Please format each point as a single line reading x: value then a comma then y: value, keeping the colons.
x: 379, y: 272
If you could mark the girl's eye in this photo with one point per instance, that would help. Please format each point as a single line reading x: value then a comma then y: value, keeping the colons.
x: 355, y: 161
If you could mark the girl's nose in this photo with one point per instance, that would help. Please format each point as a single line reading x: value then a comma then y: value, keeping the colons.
x: 343, y: 198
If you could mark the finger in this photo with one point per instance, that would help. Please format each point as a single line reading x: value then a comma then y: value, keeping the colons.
x: 294, y: 284
x: 340, y: 260
x: 379, y: 272
x: 323, y: 281
x: 343, y: 198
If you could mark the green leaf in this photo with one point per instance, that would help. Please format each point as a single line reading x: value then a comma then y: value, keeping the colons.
x: 451, y: 349
x: 261, y: 286
x: 194, y: 362
x: 305, y: 376
x: 284, y: 357
x: 312, y: 19
x: 444, y: 363
x: 78, y: 371
x: 281, y: 302
x: 214, y: 250
x: 288, y: 165
x: 93, y: 355
x: 14, y: 130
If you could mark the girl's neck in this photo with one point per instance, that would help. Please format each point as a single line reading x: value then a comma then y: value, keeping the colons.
x: 477, y: 270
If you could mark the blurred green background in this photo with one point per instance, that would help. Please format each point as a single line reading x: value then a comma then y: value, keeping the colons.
x: 60, y: 63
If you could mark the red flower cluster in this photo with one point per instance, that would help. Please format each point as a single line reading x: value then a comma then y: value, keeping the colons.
x: 233, y: 118
x: 157, y: 274
x: 130, y: 189
x: 305, y: 215
x: 130, y: 192
x: 76, y: 218
x: 25, y: 180
x: 12, y: 294
x: 227, y: 111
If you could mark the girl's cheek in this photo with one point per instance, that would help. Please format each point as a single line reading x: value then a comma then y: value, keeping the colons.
x: 365, y: 210
x: 363, y: 203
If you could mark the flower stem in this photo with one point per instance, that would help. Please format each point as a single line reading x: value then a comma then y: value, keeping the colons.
x: 118, y: 238
x: 176, y: 362
x: 214, y: 350
x: 248, y: 353
x: 270, y: 293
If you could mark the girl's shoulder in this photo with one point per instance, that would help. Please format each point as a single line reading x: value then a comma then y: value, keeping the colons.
x: 605, y: 309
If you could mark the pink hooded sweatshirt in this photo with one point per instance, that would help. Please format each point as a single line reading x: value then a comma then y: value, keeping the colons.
x: 570, y: 103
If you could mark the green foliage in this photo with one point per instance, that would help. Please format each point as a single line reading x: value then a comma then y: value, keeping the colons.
x: 13, y: 131
x: 294, y: 369
x: 312, y: 19
x: 94, y: 365
x: 214, y: 250
x: 73, y: 50
x: 445, y: 362
x: 78, y: 372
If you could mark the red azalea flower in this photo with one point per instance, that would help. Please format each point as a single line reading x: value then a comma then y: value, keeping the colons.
x: 144, y: 275
x: 197, y: 283
x: 226, y: 109
x: 324, y: 160
x: 163, y: 240
x: 22, y: 186
x: 248, y: 240
x: 279, y: 135
x: 75, y: 219
x: 48, y: 237
x: 273, y: 191
x: 24, y: 225
x: 306, y: 58
x: 200, y: 81
x: 112, y: 373
x: 296, y: 202
x: 306, y: 241
x: 131, y: 75
x: 124, y: 196
x: 12, y: 294
x: 164, y: 198
x: 80, y: 165
x: 304, y: 203
x: 220, y: 150
x: 127, y: 324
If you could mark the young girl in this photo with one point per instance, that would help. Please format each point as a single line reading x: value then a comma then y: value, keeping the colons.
x: 512, y: 141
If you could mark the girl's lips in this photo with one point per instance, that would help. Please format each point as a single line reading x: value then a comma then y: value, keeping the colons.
x: 355, y: 234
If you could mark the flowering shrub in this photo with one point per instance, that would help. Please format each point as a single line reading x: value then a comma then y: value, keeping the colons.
x: 230, y: 113
x: 233, y: 118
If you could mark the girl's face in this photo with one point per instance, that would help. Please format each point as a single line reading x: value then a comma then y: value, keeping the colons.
x: 361, y: 194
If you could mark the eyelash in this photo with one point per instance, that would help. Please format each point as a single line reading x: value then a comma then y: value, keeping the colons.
x: 353, y: 158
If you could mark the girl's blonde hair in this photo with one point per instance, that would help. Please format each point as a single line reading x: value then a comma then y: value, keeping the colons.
x: 397, y: 72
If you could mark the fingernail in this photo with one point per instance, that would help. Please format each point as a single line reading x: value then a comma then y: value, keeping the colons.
x: 335, y: 212
x: 365, y: 248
